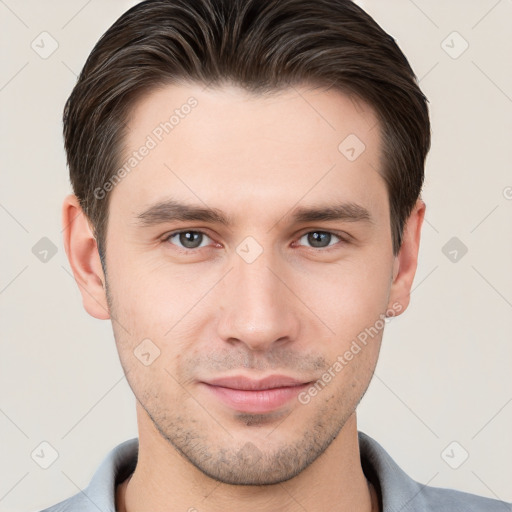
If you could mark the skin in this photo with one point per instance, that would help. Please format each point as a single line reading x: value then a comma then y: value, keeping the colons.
x: 292, y: 311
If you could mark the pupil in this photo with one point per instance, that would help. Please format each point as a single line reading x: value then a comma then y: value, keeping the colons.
x: 317, y: 239
x: 190, y: 239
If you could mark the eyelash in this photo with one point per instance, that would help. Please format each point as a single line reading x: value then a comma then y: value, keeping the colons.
x: 342, y: 239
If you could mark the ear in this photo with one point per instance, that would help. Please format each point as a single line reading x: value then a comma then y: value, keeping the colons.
x: 405, y: 263
x: 82, y: 252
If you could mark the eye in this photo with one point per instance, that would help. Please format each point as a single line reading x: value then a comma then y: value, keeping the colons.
x: 188, y: 239
x: 320, y: 239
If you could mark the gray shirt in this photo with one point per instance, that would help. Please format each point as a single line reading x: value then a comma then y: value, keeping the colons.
x: 397, y: 491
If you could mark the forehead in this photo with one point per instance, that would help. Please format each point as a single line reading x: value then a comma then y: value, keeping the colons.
x: 299, y: 114
x: 225, y: 144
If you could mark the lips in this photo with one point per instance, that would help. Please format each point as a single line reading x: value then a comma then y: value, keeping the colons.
x: 244, y: 383
x: 257, y: 396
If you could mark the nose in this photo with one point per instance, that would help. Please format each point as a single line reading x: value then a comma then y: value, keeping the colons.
x: 257, y: 308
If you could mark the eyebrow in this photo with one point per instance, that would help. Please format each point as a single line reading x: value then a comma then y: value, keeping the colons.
x: 171, y: 210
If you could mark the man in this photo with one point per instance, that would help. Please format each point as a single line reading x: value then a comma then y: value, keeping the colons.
x: 247, y: 212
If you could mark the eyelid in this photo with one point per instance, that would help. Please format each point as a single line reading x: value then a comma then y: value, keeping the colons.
x: 340, y: 234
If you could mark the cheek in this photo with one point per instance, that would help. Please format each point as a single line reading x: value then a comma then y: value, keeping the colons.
x: 158, y: 305
x: 352, y: 296
x: 148, y: 297
x: 352, y: 303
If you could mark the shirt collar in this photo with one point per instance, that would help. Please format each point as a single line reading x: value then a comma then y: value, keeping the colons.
x: 396, y: 490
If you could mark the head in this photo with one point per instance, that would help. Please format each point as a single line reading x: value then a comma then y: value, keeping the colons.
x: 250, y: 176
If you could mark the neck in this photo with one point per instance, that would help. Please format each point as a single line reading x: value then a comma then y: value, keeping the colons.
x: 165, y: 480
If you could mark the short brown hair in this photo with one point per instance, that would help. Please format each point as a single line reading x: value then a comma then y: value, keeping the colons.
x: 262, y: 46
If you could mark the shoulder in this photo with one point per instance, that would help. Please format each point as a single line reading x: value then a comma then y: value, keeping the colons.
x: 448, y: 500
x: 399, y: 492
x: 77, y: 503
x: 100, y: 493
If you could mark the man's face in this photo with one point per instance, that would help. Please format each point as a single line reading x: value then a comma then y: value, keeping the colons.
x: 268, y: 293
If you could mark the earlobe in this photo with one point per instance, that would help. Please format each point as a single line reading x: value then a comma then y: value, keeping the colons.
x: 82, y: 252
x: 406, y: 262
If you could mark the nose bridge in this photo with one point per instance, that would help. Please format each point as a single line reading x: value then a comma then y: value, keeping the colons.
x: 258, y: 310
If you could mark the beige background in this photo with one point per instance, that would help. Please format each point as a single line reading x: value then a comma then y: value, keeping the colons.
x: 444, y: 373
